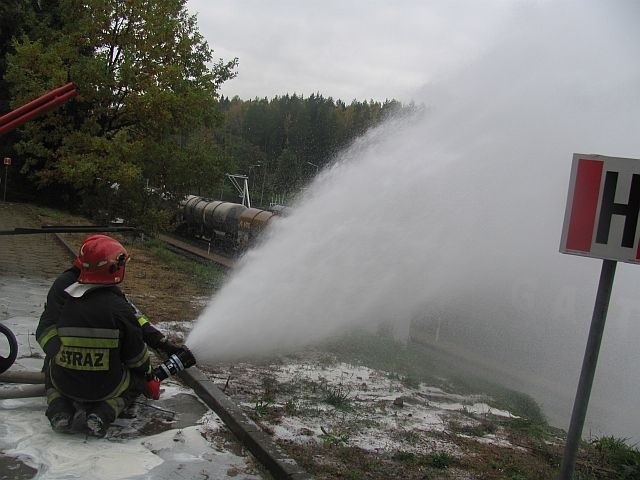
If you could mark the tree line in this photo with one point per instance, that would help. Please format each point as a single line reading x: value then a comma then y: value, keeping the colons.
x: 281, y: 143
x: 149, y: 125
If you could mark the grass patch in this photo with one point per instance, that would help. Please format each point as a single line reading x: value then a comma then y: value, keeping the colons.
x: 439, y: 460
x: 333, y: 439
x: 436, y: 460
x: 337, y: 396
x: 54, y: 215
x: 262, y: 407
x: 208, y: 274
x: 529, y: 428
x: 619, y: 456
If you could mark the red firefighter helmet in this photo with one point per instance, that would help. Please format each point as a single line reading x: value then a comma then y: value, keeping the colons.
x: 102, y: 260
x: 77, y: 262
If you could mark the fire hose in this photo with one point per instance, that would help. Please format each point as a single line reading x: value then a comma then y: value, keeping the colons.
x: 36, y: 389
x: 6, y: 362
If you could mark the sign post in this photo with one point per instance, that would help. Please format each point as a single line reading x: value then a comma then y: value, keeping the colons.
x: 7, y: 162
x: 601, y: 221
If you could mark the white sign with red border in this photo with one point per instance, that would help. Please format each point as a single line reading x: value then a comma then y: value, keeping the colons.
x: 602, y: 213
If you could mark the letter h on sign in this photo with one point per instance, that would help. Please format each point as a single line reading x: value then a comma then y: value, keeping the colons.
x: 603, y: 207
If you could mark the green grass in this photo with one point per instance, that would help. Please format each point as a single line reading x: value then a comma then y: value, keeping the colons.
x: 439, y: 460
x: 333, y: 438
x: 209, y: 275
x: 261, y: 407
x: 615, y: 452
x: 337, y: 396
x: 55, y: 215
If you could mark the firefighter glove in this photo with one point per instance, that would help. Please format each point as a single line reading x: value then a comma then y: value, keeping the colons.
x: 152, y: 388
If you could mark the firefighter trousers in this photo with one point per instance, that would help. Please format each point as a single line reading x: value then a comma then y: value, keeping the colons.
x: 108, y: 409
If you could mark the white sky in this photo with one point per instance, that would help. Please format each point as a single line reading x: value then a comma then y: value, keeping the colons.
x: 347, y: 49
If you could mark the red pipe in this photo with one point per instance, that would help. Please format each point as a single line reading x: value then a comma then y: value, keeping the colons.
x: 36, y: 103
x: 31, y: 114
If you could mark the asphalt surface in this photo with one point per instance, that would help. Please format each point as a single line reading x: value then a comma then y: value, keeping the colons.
x: 179, y: 436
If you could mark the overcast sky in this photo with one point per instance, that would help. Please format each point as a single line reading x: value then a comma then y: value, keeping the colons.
x: 347, y: 49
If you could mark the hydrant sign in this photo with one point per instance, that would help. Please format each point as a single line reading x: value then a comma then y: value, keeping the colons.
x: 603, y: 205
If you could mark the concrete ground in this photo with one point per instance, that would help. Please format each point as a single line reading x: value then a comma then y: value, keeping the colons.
x: 175, y: 437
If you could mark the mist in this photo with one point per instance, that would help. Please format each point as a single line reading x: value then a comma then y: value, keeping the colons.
x: 450, y: 219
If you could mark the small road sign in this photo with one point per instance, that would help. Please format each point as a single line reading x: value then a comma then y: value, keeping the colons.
x: 601, y: 221
x: 603, y: 206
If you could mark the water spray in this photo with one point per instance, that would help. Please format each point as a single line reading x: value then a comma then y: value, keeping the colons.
x: 451, y: 221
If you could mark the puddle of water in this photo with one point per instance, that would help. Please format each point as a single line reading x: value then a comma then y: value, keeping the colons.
x: 14, y: 469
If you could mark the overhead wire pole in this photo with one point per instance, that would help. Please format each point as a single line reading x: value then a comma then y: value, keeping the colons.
x: 7, y: 162
x: 257, y: 165
x: 242, y: 190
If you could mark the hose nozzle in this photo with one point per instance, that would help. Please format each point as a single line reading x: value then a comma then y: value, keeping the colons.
x: 174, y: 364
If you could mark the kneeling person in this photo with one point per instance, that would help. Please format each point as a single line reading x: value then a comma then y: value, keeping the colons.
x: 102, y: 360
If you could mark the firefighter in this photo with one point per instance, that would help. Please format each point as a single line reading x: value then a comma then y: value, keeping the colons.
x: 46, y: 331
x: 101, y: 359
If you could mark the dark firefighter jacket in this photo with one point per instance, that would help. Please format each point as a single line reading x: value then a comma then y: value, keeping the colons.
x: 101, y: 344
x: 47, y: 333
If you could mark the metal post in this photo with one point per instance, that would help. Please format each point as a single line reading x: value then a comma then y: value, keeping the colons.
x: 245, y: 194
x: 588, y: 369
x: 6, y: 172
x: 264, y: 179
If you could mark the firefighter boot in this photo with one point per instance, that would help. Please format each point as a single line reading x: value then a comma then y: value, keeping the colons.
x: 61, y: 422
x: 96, y: 426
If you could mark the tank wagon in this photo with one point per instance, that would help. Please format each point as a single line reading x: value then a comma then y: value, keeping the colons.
x: 233, y: 226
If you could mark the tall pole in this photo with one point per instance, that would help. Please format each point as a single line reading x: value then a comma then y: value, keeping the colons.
x: 588, y: 371
x: 7, y: 162
x: 264, y: 179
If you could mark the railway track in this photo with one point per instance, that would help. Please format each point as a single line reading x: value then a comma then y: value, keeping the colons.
x: 201, y: 250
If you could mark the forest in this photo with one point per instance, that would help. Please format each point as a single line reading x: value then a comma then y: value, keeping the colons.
x: 149, y: 124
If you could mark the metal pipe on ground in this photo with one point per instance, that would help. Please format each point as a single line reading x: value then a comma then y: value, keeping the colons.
x: 22, y: 391
x: 22, y: 376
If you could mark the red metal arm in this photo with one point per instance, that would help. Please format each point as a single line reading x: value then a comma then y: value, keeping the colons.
x: 36, y: 107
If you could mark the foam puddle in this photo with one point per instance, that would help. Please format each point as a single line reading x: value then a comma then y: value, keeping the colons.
x: 26, y: 435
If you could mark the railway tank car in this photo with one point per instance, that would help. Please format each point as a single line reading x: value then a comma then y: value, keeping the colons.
x: 232, y: 225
